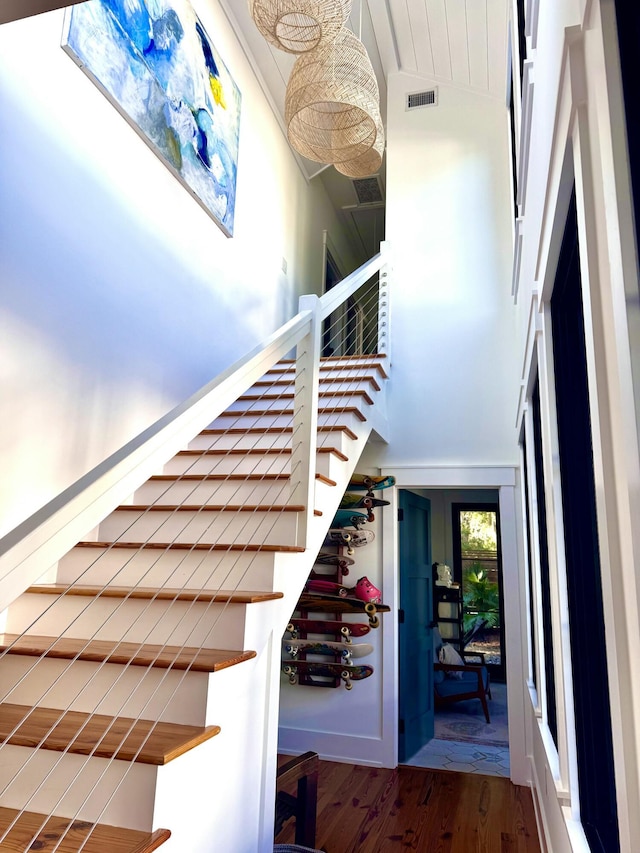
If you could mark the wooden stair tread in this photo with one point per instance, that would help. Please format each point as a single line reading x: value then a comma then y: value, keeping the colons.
x: 268, y: 383
x: 80, y: 733
x: 357, y: 392
x: 279, y: 430
x: 328, y: 410
x: 198, y: 546
x: 267, y: 451
x: 221, y: 478
x: 197, y: 508
x: 159, y: 594
x: 289, y: 367
x: 113, y: 651
x: 210, y: 508
x: 48, y: 830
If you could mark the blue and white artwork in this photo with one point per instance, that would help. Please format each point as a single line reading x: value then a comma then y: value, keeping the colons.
x: 155, y: 62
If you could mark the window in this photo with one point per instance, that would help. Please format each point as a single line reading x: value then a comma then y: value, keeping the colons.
x: 594, y: 743
x: 543, y: 550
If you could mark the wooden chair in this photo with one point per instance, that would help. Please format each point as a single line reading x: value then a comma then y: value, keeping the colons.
x: 473, y: 683
x: 301, y: 806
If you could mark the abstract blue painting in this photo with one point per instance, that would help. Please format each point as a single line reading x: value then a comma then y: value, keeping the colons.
x: 154, y: 60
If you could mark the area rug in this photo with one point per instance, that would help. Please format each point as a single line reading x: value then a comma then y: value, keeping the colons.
x: 464, y: 721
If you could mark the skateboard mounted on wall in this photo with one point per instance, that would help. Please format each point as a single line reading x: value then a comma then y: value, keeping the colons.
x: 344, y: 630
x: 349, y: 539
x: 368, y: 483
x: 346, y: 651
x: 325, y: 603
x: 315, y: 671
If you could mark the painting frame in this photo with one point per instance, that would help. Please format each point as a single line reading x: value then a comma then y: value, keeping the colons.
x: 155, y: 63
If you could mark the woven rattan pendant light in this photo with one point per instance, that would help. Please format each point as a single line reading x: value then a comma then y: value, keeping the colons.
x: 368, y: 163
x: 332, y: 101
x: 298, y: 26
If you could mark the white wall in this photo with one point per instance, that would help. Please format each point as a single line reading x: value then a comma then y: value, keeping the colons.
x: 119, y: 296
x: 454, y: 333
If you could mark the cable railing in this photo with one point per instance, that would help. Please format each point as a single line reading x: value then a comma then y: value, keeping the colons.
x: 200, y: 594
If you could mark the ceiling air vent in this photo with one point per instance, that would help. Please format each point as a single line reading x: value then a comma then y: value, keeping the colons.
x: 422, y: 99
x: 368, y: 190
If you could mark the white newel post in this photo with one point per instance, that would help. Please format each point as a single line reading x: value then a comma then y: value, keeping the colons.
x: 384, y: 283
x: 305, y: 418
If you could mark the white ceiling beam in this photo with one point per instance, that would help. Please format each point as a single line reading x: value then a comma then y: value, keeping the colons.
x: 384, y: 35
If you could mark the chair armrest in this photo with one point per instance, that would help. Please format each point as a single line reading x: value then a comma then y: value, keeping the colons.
x: 455, y: 667
x: 302, y: 765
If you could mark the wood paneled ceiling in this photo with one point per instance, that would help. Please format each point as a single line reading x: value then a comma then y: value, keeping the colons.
x: 459, y: 42
x: 463, y: 43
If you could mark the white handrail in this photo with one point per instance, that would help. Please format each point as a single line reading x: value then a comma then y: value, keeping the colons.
x: 28, y: 550
x: 339, y: 294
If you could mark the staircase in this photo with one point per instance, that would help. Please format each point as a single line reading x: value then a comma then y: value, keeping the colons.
x: 140, y: 672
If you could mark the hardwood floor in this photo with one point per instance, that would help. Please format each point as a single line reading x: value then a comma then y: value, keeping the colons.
x: 372, y: 810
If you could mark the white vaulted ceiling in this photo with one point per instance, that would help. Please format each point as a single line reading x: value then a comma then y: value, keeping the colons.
x: 463, y: 43
x: 460, y: 42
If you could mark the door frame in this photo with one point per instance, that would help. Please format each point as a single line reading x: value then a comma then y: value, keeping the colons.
x: 504, y: 478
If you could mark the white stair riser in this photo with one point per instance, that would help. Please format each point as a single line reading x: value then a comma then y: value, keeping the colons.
x: 269, y: 441
x: 252, y: 463
x: 326, y: 386
x: 261, y: 528
x: 210, y: 570
x: 79, y: 785
x: 213, y: 492
x: 210, y: 625
x: 170, y: 695
x: 328, y: 401
x: 335, y: 374
x: 249, y: 421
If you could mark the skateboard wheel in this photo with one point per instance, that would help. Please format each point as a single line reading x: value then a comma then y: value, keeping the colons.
x: 290, y: 628
x: 346, y: 633
x: 370, y: 608
x: 342, y: 592
x: 374, y: 621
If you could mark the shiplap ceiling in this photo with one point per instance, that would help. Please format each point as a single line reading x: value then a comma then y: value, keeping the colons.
x: 460, y: 42
x: 463, y: 42
x: 457, y: 42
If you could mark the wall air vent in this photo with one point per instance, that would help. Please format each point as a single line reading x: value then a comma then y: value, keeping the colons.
x: 422, y: 99
x: 368, y: 190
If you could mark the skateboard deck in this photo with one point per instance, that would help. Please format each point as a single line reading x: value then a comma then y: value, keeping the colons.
x: 347, y: 672
x: 341, y: 562
x: 350, y: 518
x: 325, y: 603
x: 350, y: 500
x: 369, y: 483
x: 315, y: 585
x: 349, y: 538
x: 344, y: 630
x: 327, y: 559
x: 319, y: 647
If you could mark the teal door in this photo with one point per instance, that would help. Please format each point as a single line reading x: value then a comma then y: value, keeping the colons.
x: 416, y: 613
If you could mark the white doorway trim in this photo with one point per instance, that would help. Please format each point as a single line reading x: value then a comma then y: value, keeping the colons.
x: 504, y: 479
